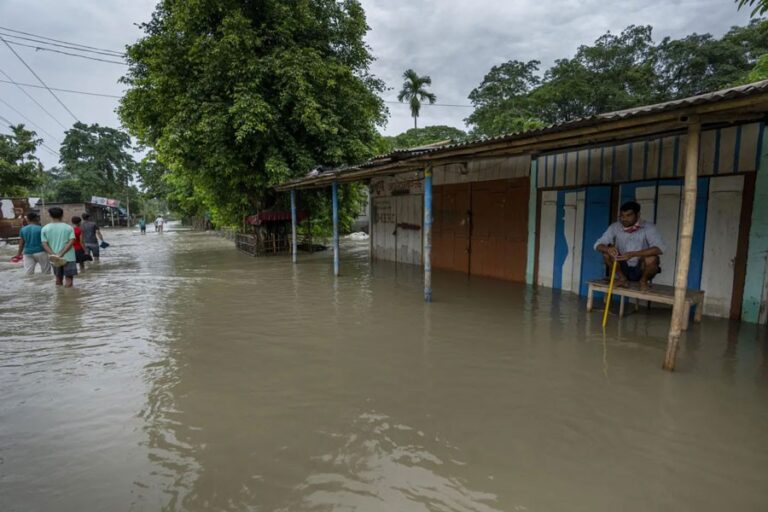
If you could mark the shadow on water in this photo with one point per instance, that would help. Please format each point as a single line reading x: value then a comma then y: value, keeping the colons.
x: 232, y: 383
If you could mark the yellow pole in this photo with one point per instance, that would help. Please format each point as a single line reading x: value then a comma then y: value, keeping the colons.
x: 610, y: 291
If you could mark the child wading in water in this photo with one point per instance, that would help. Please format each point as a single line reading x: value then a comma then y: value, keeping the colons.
x: 80, y: 255
x: 58, y: 240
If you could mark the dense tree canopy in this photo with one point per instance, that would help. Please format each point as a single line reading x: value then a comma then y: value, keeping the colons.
x: 237, y: 96
x: 618, y: 71
x: 20, y: 170
x: 94, y: 161
x: 422, y: 136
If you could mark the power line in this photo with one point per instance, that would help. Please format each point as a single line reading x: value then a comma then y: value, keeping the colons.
x: 70, y: 47
x: 38, y: 78
x: 33, y: 99
x: 29, y: 120
x: 60, y: 41
x: 62, y: 90
x: 40, y: 48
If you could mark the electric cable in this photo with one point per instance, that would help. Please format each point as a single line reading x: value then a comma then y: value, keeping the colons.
x: 38, y: 78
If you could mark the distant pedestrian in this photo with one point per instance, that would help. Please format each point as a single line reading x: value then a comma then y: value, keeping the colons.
x: 58, y: 239
x: 143, y: 226
x: 31, y: 246
x: 159, y: 222
x: 91, y: 236
x: 80, y: 255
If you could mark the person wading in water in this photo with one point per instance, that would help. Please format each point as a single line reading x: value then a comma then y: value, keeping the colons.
x: 91, y: 236
x: 635, y: 243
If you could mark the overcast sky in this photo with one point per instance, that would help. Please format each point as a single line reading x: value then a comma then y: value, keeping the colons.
x: 454, y: 41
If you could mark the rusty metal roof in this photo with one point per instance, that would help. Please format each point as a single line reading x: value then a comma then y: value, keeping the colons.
x: 742, y: 91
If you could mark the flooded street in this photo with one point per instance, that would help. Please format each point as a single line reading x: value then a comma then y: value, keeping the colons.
x: 180, y: 374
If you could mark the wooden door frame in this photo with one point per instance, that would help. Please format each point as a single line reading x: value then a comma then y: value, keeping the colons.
x: 742, y: 248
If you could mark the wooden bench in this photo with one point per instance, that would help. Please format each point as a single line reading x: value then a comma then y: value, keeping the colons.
x: 657, y: 293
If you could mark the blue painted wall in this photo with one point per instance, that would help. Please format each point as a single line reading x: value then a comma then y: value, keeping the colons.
x: 757, y: 255
x: 597, y: 216
x: 561, y: 244
x: 699, y: 230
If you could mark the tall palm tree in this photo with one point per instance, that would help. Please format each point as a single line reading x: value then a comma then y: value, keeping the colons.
x: 414, y: 90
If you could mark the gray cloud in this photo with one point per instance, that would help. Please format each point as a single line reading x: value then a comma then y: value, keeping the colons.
x: 455, y: 42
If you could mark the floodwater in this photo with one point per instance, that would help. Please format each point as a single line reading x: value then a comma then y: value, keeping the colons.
x: 181, y: 375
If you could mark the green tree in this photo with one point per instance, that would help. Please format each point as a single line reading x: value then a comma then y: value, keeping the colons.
x: 759, y: 7
x: 700, y: 63
x: 20, y: 170
x: 760, y: 71
x: 153, y: 176
x: 237, y: 96
x: 501, y: 101
x: 428, y: 135
x: 414, y: 91
x: 616, y: 72
x: 95, y: 160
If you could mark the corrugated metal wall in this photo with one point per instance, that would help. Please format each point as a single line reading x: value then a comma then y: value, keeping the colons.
x: 723, y: 151
x: 480, y: 217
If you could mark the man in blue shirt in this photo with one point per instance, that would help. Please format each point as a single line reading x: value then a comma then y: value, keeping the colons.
x: 635, y: 243
x: 31, y: 246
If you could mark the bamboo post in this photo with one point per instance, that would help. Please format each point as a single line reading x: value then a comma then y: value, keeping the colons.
x: 684, y: 244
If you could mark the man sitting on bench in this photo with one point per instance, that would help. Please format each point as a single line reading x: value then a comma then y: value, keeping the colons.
x: 635, y: 244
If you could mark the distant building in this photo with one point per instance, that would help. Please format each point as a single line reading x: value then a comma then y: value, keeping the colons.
x: 12, y: 211
x: 101, y: 215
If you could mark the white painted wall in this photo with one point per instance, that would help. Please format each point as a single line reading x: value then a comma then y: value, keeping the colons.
x: 573, y: 227
x: 547, y: 238
x: 668, y: 224
x: 646, y: 198
x: 409, y: 241
x: 720, y: 243
x: 383, y: 228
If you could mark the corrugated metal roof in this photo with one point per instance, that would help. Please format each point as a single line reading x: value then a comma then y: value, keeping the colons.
x: 741, y: 91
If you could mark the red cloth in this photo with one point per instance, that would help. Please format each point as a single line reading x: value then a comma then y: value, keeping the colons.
x: 78, y: 234
x: 634, y: 227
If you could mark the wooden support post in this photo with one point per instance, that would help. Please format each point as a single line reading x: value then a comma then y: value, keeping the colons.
x: 335, y: 211
x: 427, y: 249
x: 370, y: 223
x: 294, y: 245
x: 679, y: 310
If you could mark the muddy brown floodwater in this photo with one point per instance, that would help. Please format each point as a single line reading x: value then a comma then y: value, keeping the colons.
x: 182, y: 375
